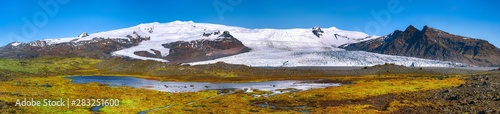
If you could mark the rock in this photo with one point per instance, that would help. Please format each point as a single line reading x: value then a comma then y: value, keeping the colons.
x: 47, y: 85
x: 226, y: 34
x: 206, y: 34
x: 144, y: 54
x: 317, y: 31
x: 485, y: 83
x: 484, y: 112
x: 156, y: 54
x: 453, y: 98
x: 83, y: 34
x: 472, y: 102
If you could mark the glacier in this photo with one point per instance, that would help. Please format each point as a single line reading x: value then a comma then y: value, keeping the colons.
x: 270, y: 47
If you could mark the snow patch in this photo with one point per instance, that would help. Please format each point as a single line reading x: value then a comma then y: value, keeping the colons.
x: 59, y: 40
x: 15, y: 44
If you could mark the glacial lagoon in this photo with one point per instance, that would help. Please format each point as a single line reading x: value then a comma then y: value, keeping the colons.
x: 276, y: 87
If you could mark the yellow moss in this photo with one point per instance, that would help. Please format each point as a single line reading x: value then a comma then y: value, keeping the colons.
x: 133, y: 100
x: 366, y: 88
x: 348, y: 109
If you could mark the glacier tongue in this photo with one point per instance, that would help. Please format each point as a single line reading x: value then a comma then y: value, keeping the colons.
x: 278, y: 58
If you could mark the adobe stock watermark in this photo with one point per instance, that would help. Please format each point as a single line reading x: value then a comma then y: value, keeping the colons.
x: 222, y: 6
x: 382, y: 17
x: 39, y: 19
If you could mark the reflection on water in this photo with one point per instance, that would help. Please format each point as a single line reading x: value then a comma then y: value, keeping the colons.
x: 274, y: 86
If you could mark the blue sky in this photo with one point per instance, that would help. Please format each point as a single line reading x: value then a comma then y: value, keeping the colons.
x: 473, y: 18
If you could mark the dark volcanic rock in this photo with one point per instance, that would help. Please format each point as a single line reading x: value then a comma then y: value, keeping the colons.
x: 144, y: 54
x: 430, y: 43
x: 197, y: 50
x: 317, y: 31
x: 157, y: 54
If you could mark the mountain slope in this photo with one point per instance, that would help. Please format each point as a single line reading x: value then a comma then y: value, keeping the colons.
x: 95, y: 48
x: 430, y: 43
x: 201, y: 43
x: 162, y: 33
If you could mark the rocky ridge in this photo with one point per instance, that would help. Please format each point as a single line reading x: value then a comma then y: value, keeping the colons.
x: 431, y: 43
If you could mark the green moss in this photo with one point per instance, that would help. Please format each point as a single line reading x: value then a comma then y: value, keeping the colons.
x: 44, y: 65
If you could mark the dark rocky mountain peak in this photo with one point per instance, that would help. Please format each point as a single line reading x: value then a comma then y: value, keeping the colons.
x: 411, y: 28
x: 226, y: 34
x: 426, y: 28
